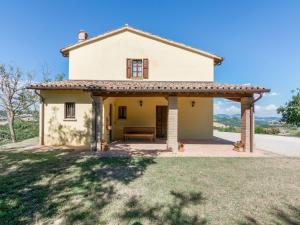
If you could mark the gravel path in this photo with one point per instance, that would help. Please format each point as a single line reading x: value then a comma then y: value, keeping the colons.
x: 288, y: 146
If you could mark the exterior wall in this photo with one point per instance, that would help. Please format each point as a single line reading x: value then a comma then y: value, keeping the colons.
x: 59, y: 131
x: 195, y: 122
x: 106, y: 60
x: 143, y: 116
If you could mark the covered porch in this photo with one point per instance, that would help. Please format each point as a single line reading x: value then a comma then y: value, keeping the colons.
x: 172, y: 92
x: 214, y: 147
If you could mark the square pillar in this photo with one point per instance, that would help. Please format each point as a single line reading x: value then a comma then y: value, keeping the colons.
x: 247, y: 123
x: 42, y: 122
x: 97, y: 122
x: 172, y: 142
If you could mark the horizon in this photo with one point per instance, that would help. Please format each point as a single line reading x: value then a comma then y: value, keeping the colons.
x: 258, y: 39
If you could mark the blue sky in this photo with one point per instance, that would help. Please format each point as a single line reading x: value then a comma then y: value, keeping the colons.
x: 260, y: 40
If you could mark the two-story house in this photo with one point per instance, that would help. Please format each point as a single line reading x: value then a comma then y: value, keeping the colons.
x: 129, y: 80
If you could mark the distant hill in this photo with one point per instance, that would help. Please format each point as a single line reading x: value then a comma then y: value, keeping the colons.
x: 235, y: 120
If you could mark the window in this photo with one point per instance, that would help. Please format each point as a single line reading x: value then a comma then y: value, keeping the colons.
x: 122, y: 112
x: 70, y: 110
x: 137, y: 68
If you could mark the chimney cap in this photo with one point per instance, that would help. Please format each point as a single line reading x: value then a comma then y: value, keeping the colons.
x: 82, y: 35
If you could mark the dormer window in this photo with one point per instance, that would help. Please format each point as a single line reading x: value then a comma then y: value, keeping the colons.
x: 137, y: 68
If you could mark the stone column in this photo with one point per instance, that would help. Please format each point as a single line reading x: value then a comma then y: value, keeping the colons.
x: 172, y: 142
x: 97, y: 122
x: 247, y: 123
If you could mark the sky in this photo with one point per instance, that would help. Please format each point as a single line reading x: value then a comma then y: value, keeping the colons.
x: 260, y: 40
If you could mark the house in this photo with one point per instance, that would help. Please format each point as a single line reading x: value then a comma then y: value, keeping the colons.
x: 128, y: 79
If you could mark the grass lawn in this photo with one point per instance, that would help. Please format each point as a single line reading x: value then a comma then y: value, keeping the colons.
x: 75, y: 187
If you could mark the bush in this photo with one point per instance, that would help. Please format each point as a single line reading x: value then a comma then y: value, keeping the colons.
x: 297, y: 134
x: 269, y: 130
x: 259, y: 130
x: 272, y: 130
x: 227, y: 129
x: 24, y: 130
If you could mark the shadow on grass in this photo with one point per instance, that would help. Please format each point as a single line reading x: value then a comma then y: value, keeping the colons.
x: 288, y: 216
x: 172, y: 213
x: 37, y: 186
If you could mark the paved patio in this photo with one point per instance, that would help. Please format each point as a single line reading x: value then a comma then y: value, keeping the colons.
x: 207, y: 148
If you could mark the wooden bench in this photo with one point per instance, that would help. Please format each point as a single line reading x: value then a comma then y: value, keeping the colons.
x: 139, y: 132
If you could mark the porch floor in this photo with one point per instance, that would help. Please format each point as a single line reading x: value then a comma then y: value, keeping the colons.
x: 216, y: 147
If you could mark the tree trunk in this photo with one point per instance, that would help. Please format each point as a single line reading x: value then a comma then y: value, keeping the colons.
x: 11, y: 119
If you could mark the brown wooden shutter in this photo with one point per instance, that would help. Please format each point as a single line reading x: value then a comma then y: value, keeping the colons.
x: 129, y: 68
x: 145, y: 68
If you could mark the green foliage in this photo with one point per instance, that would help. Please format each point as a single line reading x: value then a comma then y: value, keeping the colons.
x: 60, y: 77
x: 228, y: 121
x: 297, y: 134
x: 24, y: 130
x: 291, y: 110
x: 227, y: 129
x: 268, y: 130
x: 2, y: 113
x: 259, y: 130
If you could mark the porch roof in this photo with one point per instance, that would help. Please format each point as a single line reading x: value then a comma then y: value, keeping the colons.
x: 147, y: 87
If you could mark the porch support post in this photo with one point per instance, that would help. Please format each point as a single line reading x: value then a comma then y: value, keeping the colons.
x: 172, y: 142
x: 247, y: 123
x: 97, y: 122
x: 42, y: 122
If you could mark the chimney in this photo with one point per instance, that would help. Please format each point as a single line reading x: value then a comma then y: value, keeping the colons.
x: 82, y: 35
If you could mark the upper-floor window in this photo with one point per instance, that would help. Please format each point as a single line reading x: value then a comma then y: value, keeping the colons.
x: 137, y: 68
x: 69, y: 110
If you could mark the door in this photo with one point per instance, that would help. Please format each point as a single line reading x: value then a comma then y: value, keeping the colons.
x: 161, y: 121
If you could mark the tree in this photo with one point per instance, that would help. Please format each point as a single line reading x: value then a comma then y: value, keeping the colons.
x: 59, y: 77
x: 47, y: 73
x: 15, y: 99
x: 291, y: 110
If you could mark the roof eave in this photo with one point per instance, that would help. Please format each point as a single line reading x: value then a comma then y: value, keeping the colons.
x: 65, y: 51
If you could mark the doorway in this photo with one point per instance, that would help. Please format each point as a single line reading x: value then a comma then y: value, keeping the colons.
x: 161, y: 121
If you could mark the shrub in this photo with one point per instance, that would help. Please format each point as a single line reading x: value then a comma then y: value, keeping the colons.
x: 297, y: 134
x: 24, y: 130
x: 272, y: 130
x: 259, y: 130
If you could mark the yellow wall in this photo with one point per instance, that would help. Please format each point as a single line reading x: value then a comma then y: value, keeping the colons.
x: 60, y: 131
x: 194, y: 122
x: 106, y: 60
x: 137, y: 116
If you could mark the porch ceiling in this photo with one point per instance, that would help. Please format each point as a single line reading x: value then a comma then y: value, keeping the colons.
x: 159, y: 88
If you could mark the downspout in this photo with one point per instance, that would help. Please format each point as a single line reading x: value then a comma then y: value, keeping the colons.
x: 42, y: 116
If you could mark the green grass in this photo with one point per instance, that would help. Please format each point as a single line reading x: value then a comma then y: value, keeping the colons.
x: 75, y: 187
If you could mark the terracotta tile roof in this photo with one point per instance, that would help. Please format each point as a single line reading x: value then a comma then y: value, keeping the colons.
x: 149, y: 86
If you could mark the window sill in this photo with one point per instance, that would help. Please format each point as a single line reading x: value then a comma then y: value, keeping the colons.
x: 69, y: 119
